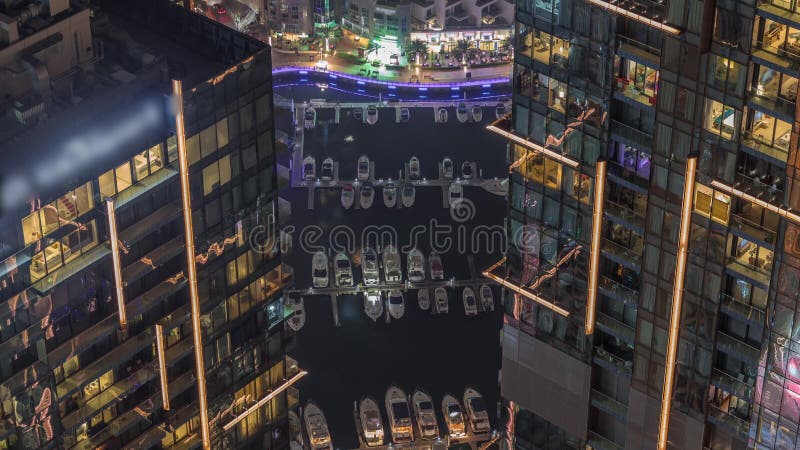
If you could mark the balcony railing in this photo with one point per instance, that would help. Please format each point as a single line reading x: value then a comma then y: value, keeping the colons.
x: 754, y: 230
x: 614, y: 327
x: 741, y: 310
x: 610, y: 405
x: 625, y: 213
x: 762, y: 191
x: 628, y: 175
x: 600, y: 442
x: 733, y: 346
x: 623, y: 252
x: 632, y: 134
x: 730, y: 384
x: 755, y: 273
x: 735, y: 424
x: 617, y: 290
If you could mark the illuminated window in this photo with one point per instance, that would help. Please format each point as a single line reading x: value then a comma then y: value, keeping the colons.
x: 720, y: 119
x: 222, y: 133
x: 712, y: 204
x: 123, y: 176
x: 58, y: 252
x: 208, y: 141
x: 107, y: 187
x: 193, y: 149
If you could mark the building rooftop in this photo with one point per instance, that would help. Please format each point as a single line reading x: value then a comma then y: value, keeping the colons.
x: 103, y: 110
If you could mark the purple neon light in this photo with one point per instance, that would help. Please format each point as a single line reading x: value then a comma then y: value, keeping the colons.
x: 481, y: 83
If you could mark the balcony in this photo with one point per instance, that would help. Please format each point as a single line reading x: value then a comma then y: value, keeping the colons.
x: 158, y: 178
x: 149, y: 224
x: 734, y: 424
x: 753, y: 230
x: 624, y: 213
x: 736, y: 348
x: 758, y: 274
x: 630, y: 258
x: 598, y: 442
x: 770, y: 193
x: 632, y: 136
x: 151, y: 261
x: 745, y: 312
x: 46, y: 284
x: 614, y: 327
x: 733, y: 385
x: 616, y: 290
x: 610, y: 405
x: 628, y: 175
x: 604, y: 358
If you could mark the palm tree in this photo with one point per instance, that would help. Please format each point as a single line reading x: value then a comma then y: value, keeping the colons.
x: 505, y: 44
x: 461, y: 48
x: 418, y: 47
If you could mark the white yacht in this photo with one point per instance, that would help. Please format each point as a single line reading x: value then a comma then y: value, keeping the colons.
x: 408, y: 196
x: 310, y: 118
x: 372, y: 115
x: 362, y: 169
x: 455, y: 194
x: 466, y: 170
x: 371, y: 423
x: 390, y: 195
x: 309, y: 168
x: 413, y: 168
x: 317, y: 428
x: 397, y: 304
x: 487, y: 298
x: 367, y: 195
x: 342, y: 270
x: 500, y: 110
x: 392, y: 270
x: 442, y: 115
x: 453, y: 416
x: 348, y: 196
x: 462, y: 114
x: 470, y: 305
x: 399, y: 415
x: 476, y: 411
x: 319, y: 270
x: 369, y: 266
x: 373, y: 305
x: 424, y: 299
x: 447, y: 168
x: 326, y: 174
x: 440, y: 300
x: 425, y: 415
x: 435, y: 263
x: 477, y: 113
x: 416, y: 265
x: 405, y: 115
x: 297, y: 320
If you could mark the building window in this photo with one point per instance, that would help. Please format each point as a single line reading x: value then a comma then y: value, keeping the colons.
x: 61, y: 212
x: 720, y: 119
x: 712, y: 204
x: 58, y: 252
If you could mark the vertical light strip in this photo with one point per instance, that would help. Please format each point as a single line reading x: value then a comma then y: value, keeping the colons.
x: 162, y: 366
x: 114, y: 241
x: 597, y: 238
x: 677, y: 300
x: 191, y: 269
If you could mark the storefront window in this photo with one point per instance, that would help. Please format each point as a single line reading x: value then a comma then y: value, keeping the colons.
x: 712, y: 204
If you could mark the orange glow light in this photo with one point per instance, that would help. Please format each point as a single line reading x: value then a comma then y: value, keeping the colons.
x: 117, y: 266
x: 594, y: 257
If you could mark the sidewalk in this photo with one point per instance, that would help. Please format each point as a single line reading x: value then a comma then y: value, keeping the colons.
x: 336, y: 64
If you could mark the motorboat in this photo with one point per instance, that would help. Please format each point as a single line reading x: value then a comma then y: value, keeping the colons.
x: 442, y: 115
x: 423, y: 298
x: 405, y: 115
x: 342, y: 270
x: 500, y: 110
x: 453, y: 417
x: 462, y: 114
x: 363, y: 168
x: 367, y: 195
x: 399, y: 415
x: 470, y: 305
x: 373, y: 305
x: 416, y: 265
x: 317, y: 428
x: 298, y: 319
x: 408, y: 195
x: 390, y: 195
x: 327, y: 169
x: 319, y: 270
x: 348, y: 196
x: 447, y: 168
x: 371, y: 423
x: 369, y: 266
x: 310, y: 117
x: 413, y: 168
x: 392, y: 270
x: 372, y: 115
x: 455, y: 194
x: 466, y: 170
x: 476, y: 411
x: 487, y: 298
x: 358, y: 114
x: 477, y: 113
x: 397, y: 304
x: 435, y: 263
x: 425, y: 415
x: 440, y: 300
x: 309, y: 168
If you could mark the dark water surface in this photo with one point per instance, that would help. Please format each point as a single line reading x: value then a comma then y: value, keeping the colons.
x: 441, y: 354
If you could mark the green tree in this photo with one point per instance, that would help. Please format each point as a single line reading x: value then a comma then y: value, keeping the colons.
x: 418, y: 47
x: 462, y: 46
x: 505, y: 44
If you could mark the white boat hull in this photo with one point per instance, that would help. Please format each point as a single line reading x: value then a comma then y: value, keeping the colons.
x: 389, y: 201
x: 373, y: 309
x: 372, y: 119
x: 317, y: 427
x: 297, y: 321
x: 424, y: 300
x: 401, y: 426
x: 477, y: 114
x: 371, y: 424
x: 365, y: 201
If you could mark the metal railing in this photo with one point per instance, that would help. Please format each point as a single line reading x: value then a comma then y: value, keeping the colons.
x: 731, y: 384
x: 622, y: 251
x: 724, y: 418
x: 601, y: 442
x: 753, y: 229
x: 742, y: 350
x: 627, y: 294
x: 632, y: 134
x: 745, y: 311
x: 621, y: 364
x: 625, y: 213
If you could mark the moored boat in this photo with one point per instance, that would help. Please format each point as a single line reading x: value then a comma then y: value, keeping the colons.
x: 425, y: 415
x: 423, y: 298
x: 367, y: 195
x: 392, y: 270
x: 319, y: 270
x: 441, y: 303
x: 399, y: 415
x: 408, y: 196
x: 372, y: 115
x: 390, y: 195
x: 371, y: 423
x: 373, y: 305
x: 462, y: 114
x: 310, y: 117
x: 416, y: 265
x: 476, y: 411
x: 470, y: 305
x: 442, y: 113
x: 317, y: 427
x: 487, y: 298
x: 297, y: 320
x: 477, y: 113
x: 348, y: 196
x: 397, y: 304
x: 453, y: 416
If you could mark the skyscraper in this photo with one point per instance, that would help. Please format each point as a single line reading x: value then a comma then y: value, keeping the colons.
x: 674, y: 125
x: 117, y: 330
